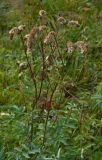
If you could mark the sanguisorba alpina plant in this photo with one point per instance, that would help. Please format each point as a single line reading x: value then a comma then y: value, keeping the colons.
x: 45, y: 45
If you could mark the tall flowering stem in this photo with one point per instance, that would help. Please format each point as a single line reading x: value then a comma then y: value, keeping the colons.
x: 33, y: 76
x: 43, y: 67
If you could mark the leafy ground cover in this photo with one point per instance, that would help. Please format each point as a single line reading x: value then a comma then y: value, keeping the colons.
x: 51, y: 80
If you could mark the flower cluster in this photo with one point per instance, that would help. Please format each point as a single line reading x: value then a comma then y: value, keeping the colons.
x: 22, y: 66
x: 37, y: 31
x: 61, y: 20
x: 73, y: 23
x: 16, y: 30
x: 81, y: 45
x: 42, y: 28
x: 42, y: 16
x: 70, y: 47
x: 34, y: 33
x: 50, y: 37
x: 42, y: 13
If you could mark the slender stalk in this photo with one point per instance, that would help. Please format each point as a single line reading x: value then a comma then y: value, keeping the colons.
x: 53, y: 92
x: 43, y: 63
x: 59, y: 51
x: 48, y: 111
x: 33, y: 76
x: 46, y: 122
x: 30, y: 68
x: 44, y: 69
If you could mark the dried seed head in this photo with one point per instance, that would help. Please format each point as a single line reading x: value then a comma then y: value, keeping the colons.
x: 16, y: 30
x: 29, y: 51
x: 26, y: 39
x: 12, y: 32
x: 22, y: 66
x: 73, y: 23
x: 29, y: 39
x: 70, y: 47
x: 82, y: 46
x: 42, y: 13
x: 42, y: 28
x: 50, y: 37
x: 26, y: 36
x: 52, y: 33
x: 34, y: 32
x: 21, y: 27
x: 61, y: 20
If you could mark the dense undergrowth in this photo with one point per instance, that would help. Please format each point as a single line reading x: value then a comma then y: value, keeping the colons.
x: 51, y: 81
